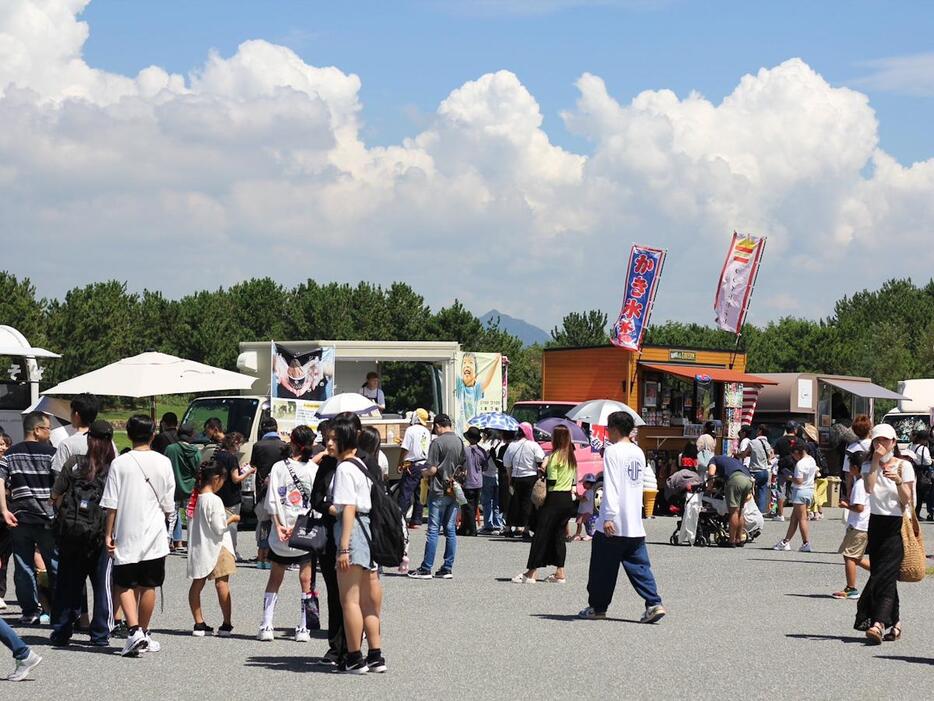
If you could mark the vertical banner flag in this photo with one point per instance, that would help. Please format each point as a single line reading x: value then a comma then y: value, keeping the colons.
x: 642, y: 275
x: 737, y: 280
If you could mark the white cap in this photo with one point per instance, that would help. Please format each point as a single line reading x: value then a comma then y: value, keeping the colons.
x: 883, y: 431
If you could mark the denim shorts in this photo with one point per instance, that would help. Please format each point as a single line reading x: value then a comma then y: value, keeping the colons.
x: 359, y: 547
x: 802, y: 495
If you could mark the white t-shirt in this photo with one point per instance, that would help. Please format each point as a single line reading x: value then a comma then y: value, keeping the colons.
x: 523, y: 458
x: 415, y: 443
x: 862, y: 445
x: 623, y: 464
x: 743, y: 444
x: 139, y: 528
x: 351, y: 487
x: 284, y: 500
x: 806, y: 471
x: 383, y: 463
x: 922, y: 451
x: 207, y: 534
x: 883, y: 499
x: 859, y: 521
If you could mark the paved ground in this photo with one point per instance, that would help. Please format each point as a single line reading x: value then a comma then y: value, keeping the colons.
x: 752, y: 622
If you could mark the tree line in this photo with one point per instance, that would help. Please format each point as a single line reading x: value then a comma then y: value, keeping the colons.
x: 885, y: 334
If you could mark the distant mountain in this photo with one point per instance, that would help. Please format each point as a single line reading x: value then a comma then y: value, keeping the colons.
x: 523, y: 330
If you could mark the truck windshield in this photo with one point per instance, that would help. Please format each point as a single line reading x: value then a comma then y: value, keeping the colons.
x: 906, y: 424
x: 236, y: 414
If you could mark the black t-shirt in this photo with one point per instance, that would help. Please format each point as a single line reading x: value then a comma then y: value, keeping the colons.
x: 266, y: 453
x: 783, y: 451
x: 727, y: 466
x: 230, y: 491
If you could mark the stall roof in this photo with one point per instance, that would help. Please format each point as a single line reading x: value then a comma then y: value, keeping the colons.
x: 862, y: 388
x: 716, y: 374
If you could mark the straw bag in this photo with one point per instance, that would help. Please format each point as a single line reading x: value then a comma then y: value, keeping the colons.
x: 913, y: 561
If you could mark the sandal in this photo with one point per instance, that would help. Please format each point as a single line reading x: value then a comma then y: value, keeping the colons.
x: 875, y: 634
x: 895, y: 633
x: 522, y: 579
x: 551, y: 579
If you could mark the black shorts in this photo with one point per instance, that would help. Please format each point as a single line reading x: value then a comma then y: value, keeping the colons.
x: 149, y: 574
x: 287, y: 561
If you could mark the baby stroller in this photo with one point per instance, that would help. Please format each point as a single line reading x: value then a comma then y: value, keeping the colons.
x: 705, y: 519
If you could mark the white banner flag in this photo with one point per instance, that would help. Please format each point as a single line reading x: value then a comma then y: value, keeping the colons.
x: 737, y: 280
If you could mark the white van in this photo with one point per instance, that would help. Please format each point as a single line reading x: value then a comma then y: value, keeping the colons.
x: 914, y: 413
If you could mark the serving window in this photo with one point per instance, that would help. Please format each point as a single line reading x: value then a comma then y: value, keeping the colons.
x: 668, y: 400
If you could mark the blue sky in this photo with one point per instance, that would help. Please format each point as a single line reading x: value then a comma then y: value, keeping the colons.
x: 410, y: 55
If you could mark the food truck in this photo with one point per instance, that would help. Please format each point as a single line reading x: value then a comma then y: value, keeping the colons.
x: 821, y: 400
x: 19, y: 380
x: 675, y: 390
x: 294, y: 378
x: 912, y: 414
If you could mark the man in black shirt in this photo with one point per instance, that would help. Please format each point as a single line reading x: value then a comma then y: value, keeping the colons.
x: 786, y: 466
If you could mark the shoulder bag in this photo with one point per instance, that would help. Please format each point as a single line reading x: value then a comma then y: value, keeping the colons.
x: 540, y: 489
x: 913, y: 560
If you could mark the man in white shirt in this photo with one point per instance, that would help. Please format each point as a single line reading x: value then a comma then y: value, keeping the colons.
x: 415, y: 445
x: 620, y: 535
x: 138, y: 495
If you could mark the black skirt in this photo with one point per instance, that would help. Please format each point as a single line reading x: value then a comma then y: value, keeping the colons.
x: 549, y: 546
x: 879, y: 600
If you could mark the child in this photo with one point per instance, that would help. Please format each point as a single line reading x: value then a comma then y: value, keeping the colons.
x: 585, y: 509
x: 210, y: 554
x: 25, y: 658
x: 853, y: 547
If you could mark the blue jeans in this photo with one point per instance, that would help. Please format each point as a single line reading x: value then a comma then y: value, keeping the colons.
x: 28, y: 537
x: 442, y: 512
x: 489, y: 502
x: 73, y: 570
x: 761, y: 478
x: 606, y: 555
x: 11, y: 640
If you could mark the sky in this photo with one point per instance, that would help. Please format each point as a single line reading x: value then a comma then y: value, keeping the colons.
x: 503, y: 153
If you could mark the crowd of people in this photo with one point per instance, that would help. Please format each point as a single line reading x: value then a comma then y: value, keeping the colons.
x: 80, y: 512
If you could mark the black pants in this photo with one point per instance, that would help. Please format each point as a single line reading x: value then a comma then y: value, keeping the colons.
x: 879, y: 600
x: 336, y: 639
x: 520, y: 507
x: 504, y: 496
x: 549, y: 546
x: 70, y: 598
x: 469, y: 512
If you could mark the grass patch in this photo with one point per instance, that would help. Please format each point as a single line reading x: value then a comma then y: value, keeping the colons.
x: 117, y: 416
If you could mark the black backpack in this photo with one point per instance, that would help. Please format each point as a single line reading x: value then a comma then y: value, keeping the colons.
x: 79, y: 523
x: 387, y: 537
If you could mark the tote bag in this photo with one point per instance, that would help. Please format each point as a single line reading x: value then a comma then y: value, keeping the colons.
x: 913, y: 561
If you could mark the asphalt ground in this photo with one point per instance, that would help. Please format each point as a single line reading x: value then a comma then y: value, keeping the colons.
x: 749, y: 622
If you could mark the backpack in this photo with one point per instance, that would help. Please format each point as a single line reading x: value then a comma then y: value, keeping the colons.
x: 387, y: 538
x: 79, y: 523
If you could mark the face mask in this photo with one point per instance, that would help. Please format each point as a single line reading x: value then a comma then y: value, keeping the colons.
x: 888, y: 456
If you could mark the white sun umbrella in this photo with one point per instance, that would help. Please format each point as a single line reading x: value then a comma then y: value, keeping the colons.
x: 348, y: 401
x: 596, y: 411
x: 150, y: 374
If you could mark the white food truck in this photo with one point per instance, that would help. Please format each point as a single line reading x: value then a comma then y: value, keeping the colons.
x: 19, y: 380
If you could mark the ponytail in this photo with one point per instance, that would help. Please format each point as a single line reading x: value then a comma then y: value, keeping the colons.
x: 303, y: 440
x: 207, y: 471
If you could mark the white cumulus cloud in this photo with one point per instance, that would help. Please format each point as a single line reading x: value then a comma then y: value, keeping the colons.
x: 254, y: 164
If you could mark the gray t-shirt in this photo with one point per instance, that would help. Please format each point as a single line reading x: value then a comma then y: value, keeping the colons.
x: 447, y: 454
x: 759, y: 454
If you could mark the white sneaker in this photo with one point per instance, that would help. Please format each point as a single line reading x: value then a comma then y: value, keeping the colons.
x: 266, y: 634
x: 151, y: 645
x: 302, y: 635
x: 2, y: 604
x: 522, y: 579
x: 781, y: 545
x: 780, y: 517
x: 23, y: 667
x: 806, y: 548
x: 135, y: 642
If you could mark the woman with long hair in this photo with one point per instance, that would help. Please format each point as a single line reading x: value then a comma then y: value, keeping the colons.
x: 79, y: 529
x: 549, y: 546
x: 288, y: 497
x: 889, y: 483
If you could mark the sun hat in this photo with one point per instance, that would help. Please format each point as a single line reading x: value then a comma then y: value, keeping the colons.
x: 883, y: 431
x: 473, y: 434
x: 422, y: 416
x: 810, y: 430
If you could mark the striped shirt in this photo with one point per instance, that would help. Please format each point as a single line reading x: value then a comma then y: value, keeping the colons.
x: 26, y: 471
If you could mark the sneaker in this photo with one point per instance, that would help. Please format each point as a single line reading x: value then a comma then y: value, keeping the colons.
x: 151, y: 645
x: 782, y: 545
x: 2, y: 605
x: 358, y: 667
x: 120, y: 630
x: 444, y: 573
x: 591, y: 615
x: 135, y: 642
x: 201, y: 630
x: 266, y: 634
x: 847, y: 593
x: 419, y: 574
x: 376, y: 663
x: 225, y: 631
x: 522, y: 579
x: 779, y: 517
x: 23, y: 667
x: 45, y: 619
x: 653, y: 614
x: 302, y: 635
x: 29, y: 619
x: 806, y: 548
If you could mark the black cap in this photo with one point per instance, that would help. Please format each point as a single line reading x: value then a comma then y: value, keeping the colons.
x: 473, y: 434
x: 101, y: 429
x: 186, y: 431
